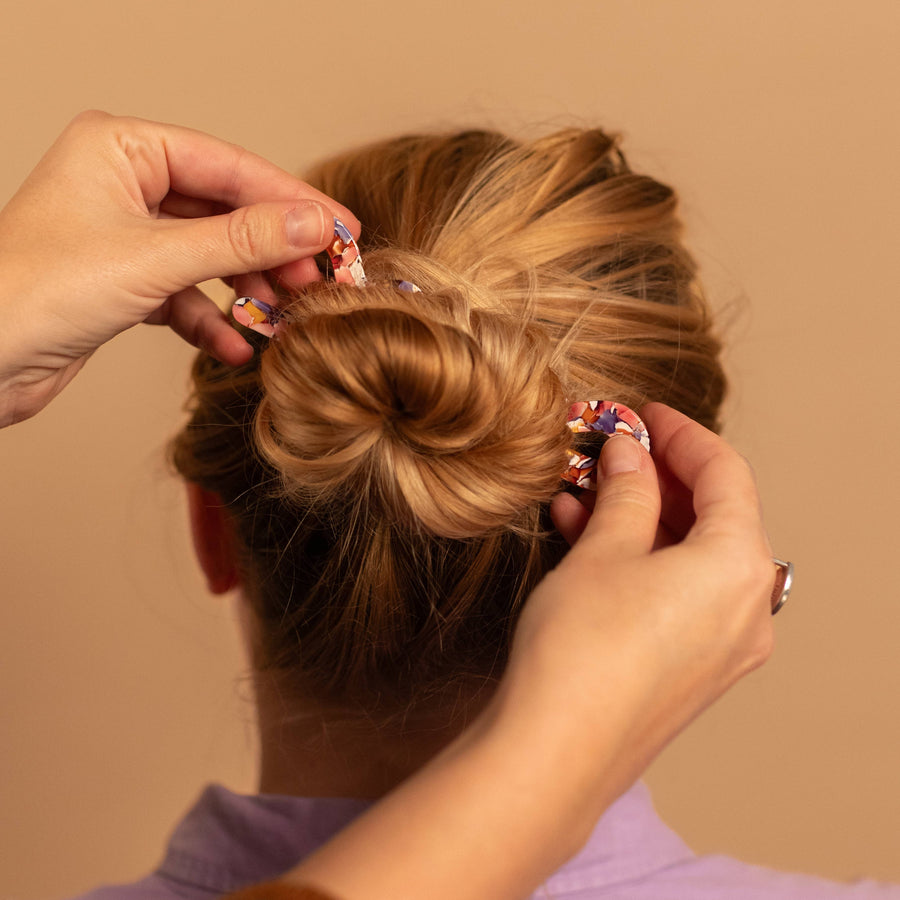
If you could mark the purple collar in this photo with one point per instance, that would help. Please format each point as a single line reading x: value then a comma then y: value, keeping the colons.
x: 229, y: 840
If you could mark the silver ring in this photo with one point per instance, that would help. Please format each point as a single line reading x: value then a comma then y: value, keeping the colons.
x: 784, y: 581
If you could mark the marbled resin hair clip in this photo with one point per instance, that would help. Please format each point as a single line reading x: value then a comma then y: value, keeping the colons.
x: 345, y: 258
x: 256, y: 315
x: 603, y: 419
x: 346, y: 263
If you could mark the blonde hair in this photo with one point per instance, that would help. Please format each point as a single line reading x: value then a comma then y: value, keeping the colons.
x: 389, y: 460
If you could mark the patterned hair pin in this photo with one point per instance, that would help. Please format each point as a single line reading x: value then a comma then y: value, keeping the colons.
x: 256, y: 315
x: 602, y: 419
x: 345, y: 258
x: 346, y: 264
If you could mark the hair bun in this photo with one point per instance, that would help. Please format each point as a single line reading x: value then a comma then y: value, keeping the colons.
x: 452, y: 429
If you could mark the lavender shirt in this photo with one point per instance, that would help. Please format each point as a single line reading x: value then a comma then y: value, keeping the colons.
x: 228, y: 841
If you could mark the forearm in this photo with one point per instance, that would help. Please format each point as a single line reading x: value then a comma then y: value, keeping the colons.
x: 615, y: 652
x: 498, y: 811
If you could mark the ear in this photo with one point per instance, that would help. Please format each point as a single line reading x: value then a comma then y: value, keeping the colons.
x: 214, y: 541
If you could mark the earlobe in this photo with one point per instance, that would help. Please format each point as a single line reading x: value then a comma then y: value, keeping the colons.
x: 214, y: 541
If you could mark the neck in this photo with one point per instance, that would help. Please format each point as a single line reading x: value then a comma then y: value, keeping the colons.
x: 310, y: 751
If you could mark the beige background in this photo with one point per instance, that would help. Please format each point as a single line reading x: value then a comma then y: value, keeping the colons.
x: 121, y: 679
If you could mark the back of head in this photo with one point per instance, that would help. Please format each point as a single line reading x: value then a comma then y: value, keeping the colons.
x: 388, y: 462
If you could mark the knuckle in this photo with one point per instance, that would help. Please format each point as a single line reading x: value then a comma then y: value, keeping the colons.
x: 234, y: 176
x: 763, y: 645
x: 753, y: 573
x: 243, y: 238
x: 89, y: 120
x: 748, y: 468
x: 629, y: 490
x: 84, y: 126
x: 753, y: 570
x: 90, y: 116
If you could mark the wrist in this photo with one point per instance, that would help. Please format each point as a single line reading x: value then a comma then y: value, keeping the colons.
x: 585, y: 726
x: 567, y: 769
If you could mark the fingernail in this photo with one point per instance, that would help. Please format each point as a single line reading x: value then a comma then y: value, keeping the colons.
x: 305, y: 225
x: 621, y: 453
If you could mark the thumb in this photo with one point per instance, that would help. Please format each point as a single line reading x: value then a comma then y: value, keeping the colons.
x: 626, y: 512
x: 250, y: 239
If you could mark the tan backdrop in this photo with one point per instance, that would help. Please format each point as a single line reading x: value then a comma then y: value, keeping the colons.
x: 122, y: 689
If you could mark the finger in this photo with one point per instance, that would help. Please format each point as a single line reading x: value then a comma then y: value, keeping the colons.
x: 205, y: 167
x: 721, y: 481
x: 569, y: 515
x: 665, y: 537
x: 626, y: 512
x: 271, y: 287
x: 250, y: 239
x: 255, y: 284
x: 677, y: 502
x: 196, y: 318
x: 178, y: 206
x: 298, y: 274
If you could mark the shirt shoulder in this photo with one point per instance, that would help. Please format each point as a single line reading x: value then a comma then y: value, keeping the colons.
x: 724, y: 878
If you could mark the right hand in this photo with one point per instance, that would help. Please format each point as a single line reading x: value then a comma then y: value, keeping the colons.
x: 666, y: 589
x: 616, y: 650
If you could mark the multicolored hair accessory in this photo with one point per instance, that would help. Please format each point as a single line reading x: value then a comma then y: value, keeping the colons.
x: 346, y: 264
x: 602, y: 419
x: 345, y: 258
x: 256, y: 315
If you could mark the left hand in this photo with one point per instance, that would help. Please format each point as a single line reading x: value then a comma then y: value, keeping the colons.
x: 117, y: 224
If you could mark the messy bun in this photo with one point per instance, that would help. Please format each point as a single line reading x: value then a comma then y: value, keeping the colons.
x: 453, y: 428
x: 388, y: 462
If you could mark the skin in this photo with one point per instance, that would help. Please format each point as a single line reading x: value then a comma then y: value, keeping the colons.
x: 118, y: 223
x: 518, y: 779
x: 116, y: 226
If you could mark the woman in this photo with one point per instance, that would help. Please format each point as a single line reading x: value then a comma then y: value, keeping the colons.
x: 586, y: 751
x: 379, y: 478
